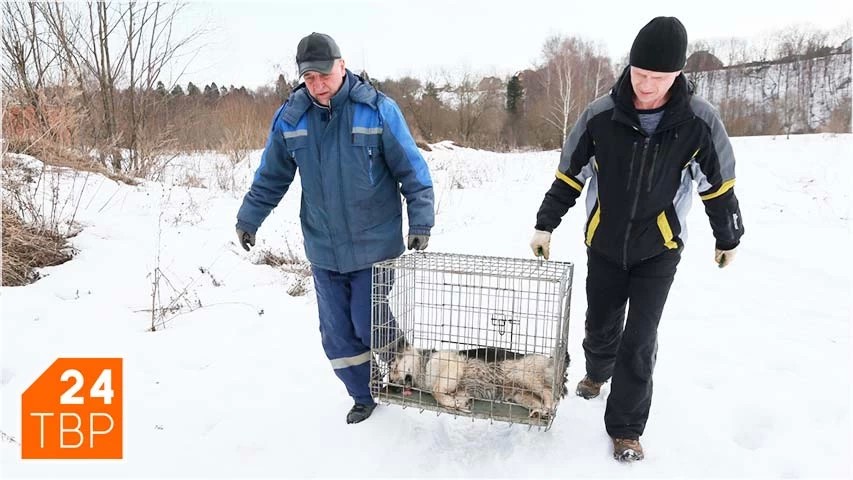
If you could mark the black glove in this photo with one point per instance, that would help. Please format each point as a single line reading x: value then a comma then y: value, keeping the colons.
x: 418, y: 242
x: 245, y: 239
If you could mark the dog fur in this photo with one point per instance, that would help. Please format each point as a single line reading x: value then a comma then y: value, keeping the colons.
x: 455, y: 377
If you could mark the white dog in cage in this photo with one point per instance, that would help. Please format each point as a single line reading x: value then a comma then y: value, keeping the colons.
x: 456, y: 377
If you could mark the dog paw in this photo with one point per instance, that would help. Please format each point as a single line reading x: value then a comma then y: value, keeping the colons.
x: 539, y: 413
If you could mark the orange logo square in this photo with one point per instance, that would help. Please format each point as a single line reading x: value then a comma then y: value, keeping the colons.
x: 74, y: 411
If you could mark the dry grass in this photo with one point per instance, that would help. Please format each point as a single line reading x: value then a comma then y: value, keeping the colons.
x: 26, y: 249
x: 291, y: 263
x: 192, y: 180
x: 224, y: 174
x: 36, y: 227
x: 52, y: 153
x: 840, y: 118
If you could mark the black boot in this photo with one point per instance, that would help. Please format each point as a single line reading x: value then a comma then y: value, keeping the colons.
x: 359, y: 412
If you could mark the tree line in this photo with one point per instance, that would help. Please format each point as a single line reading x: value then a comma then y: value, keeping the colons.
x: 91, y: 78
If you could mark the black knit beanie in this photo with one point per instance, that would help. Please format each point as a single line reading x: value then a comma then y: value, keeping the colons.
x: 661, y: 46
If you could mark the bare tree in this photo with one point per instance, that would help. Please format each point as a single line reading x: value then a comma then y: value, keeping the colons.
x: 64, y: 27
x: 28, y: 58
x: 563, y: 103
x: 574, y: 73
x: 148, y: 29
x: 95, y: 57
x: 431, y: 114
x: 113, y: 52
x: 406, y: 92
x: 473, y: 99
x: 737, y: 51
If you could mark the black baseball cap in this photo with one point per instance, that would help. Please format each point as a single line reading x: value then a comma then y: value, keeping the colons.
x: 317, y: 53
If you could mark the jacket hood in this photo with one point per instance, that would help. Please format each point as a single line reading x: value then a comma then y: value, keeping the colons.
x: 300, y: 100
x: 622, y: 94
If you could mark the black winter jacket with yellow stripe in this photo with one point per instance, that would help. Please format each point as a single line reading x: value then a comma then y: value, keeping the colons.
x: 640, y: 186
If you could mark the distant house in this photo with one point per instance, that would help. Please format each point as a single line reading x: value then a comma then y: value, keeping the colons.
x: 846, y: 46
x: 702, y: 61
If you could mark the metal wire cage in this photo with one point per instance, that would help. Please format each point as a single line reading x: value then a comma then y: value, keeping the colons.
x: 476, y: 336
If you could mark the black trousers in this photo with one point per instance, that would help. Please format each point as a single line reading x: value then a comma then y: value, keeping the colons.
x: 626, y: 348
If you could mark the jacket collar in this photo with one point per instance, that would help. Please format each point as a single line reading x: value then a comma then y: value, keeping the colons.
x: 362, y: 91
x: 676, y: 108
x: 339, y: 98
x: 354, y: 89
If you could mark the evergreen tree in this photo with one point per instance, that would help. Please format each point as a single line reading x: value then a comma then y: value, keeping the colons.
x: 515, y: 129
x: 514, y: 95
x: 192, y: 89
x: 212, y: 92
x: 177, y: 91
x: 282, y: 88
x: 431, y: 91
x: 161, y: 89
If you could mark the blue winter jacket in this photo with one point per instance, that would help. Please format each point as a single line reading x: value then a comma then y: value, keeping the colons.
x: 354, y: 160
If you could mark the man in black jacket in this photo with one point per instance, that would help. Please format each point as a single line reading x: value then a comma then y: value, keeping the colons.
x: 639, y: 149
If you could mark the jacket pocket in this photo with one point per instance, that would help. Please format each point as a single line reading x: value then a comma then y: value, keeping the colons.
x: 367, y: 154
x: 297, y: 147
x: 666, y: 231
x: 593, y: 222
x: 368, y: 181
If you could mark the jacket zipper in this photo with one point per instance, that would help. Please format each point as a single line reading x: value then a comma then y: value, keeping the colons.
x: 344, y: 212
x: 634, y: 204
x: 631, y: 166
x: 652, y: 169
x: 323, y: 183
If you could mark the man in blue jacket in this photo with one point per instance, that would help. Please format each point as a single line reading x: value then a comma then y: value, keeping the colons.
x: 355, y: 157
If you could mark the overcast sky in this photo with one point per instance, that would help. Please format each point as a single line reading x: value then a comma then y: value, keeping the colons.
x: 250, y: 43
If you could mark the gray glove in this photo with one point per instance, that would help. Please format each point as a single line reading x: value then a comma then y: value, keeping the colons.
x: 724, y: 258
x: 245, y: 239
x: 541, y: 244
x: 418, y: 242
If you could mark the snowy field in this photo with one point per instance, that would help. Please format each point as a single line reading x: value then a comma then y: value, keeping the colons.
x: 753, y: 377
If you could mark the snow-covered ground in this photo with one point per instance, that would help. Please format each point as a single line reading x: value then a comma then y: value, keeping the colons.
x: 753, y: 376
